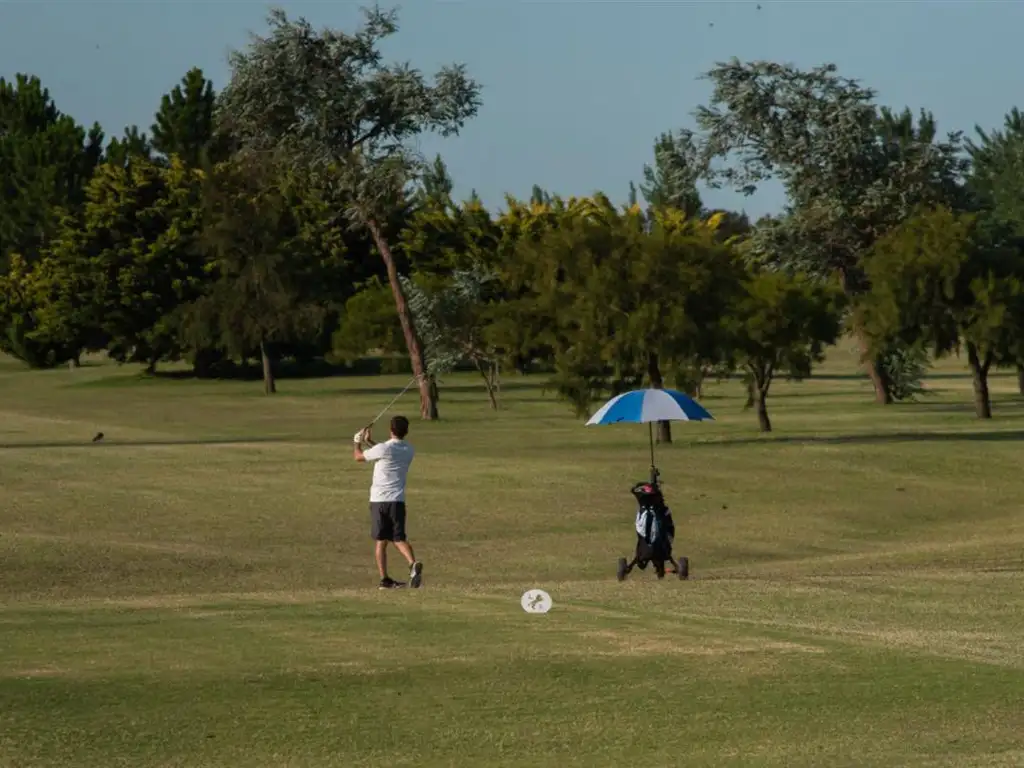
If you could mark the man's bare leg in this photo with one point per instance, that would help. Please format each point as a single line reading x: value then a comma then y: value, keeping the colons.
x: 415, y: 567
x: 406, y: 549
x: 382, y: 558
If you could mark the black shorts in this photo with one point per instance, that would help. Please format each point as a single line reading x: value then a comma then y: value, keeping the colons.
x: 387, y: 520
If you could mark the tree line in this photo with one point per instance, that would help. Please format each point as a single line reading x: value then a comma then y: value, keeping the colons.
x: 286, y: 217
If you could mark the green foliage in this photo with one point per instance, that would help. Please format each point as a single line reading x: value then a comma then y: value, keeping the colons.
x: 327, y: 99
x: 184, y: 125
x: 942, y: 280
x: 270, y: 246
x: 851, y: 171
x: 122, y: 274
x: 434, y: 309
x: 626, y: 298
x: 23, y: 295
x: 783, y: 325
x: 46, y: 159
x: 453, y: 317
x: 672, y: 182
x: 133, y: 145
x: 436, y: 185
x: 905, y: 367
x: 997, y: 171
x: 368, y: 324
x: 439, y: 238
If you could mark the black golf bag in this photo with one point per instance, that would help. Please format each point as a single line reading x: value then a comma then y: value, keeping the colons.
x: 655, y: 534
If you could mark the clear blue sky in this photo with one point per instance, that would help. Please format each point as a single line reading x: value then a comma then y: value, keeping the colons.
x: 574, y: 91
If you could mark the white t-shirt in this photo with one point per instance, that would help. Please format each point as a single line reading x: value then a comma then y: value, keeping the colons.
x: 392, y: 465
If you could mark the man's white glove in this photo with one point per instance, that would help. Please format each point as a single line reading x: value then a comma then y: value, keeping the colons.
x: 359, y: 437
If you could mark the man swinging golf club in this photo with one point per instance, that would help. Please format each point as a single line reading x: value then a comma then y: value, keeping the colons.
x: 387, y: 497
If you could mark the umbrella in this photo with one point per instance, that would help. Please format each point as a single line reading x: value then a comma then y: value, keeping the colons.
x: 646, y: 406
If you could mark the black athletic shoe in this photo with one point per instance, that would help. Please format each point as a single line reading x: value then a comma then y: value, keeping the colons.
x: 389, y: 583
x: 416, y: 575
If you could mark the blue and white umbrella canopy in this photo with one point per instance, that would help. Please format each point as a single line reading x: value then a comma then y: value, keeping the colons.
x: 646, y: 406
x: 643, y: 406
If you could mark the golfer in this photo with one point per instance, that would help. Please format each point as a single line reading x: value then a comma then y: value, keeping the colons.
x: 387, y: 497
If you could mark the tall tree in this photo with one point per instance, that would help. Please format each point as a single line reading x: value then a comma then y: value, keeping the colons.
x: 785, y: 323
x: 328, y: 100
x: 453, y: 314
x: 997, y: 185
x: 436, y: 185
x: 133, y: 145
x: 46, y: 160
x: 851, y: 172
x: 184, y: 124
x: 626, y: 299
x: 267, y: 262
x: 672, y: 181
x: 123, y: 272
x: 940, y: 279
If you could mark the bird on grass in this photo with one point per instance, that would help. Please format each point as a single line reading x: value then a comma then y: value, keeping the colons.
x: 99, y: 436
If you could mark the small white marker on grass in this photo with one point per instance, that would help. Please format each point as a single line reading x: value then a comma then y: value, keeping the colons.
x: 536, y: 601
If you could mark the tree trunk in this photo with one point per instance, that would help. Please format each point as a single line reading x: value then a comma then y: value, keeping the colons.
x: 1020, y: 378
x: 428, y: 405
x: 664, y: 432
x: 873, y: 363
x: 758, y: 384
x: 488, y: 382
x: 761, y: 404
x: 269, y: 384
x: 698, y: 389
x: 979, y: 370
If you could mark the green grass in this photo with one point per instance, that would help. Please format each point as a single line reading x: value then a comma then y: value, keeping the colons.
x: 199, y: 589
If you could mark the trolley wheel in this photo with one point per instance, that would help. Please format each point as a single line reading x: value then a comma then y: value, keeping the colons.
x: 684, y: 568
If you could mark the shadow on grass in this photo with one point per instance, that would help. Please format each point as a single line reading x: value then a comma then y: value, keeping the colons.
x: 166, y: 443
x: 883, y: 438
x: 994, y: 375
x: 1015, y: 404
x: 477, y: 389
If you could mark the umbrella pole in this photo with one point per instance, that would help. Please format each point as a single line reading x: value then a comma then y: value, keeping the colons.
x: 650, y: 435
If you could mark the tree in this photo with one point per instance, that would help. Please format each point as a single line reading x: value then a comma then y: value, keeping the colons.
x: 25, y: 301
x: 46, y: 159
x: 442, y: 236
x: 451, y: 250
x: 785, y: 322
x: 626, y: 298
x: 436, y: 185
x: 133, y: 145
x: 851, y: 172
x: 184, y: 124
x: 266, y: 260
x: 997, y: 185
x: 328, y: 101
x: 942, y: 280
x: 672, y: 182
x: 121, y: 274
x: 368, y: 323
x: 453, y: 316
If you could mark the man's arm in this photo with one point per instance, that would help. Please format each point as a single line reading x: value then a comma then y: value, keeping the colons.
x: 363, y: 436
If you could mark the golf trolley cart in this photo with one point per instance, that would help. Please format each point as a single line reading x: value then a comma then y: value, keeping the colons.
x: 655, y: 532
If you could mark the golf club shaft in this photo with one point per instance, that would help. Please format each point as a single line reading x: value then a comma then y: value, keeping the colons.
x: 393, y: 401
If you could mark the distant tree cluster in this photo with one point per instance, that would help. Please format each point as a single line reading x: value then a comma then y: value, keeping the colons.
x: 287, y: 217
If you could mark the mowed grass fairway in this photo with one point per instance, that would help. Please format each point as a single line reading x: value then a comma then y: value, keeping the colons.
x: 199, y: 588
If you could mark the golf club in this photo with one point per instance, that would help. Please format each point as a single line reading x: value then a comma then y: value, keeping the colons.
x: 393, y: 401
